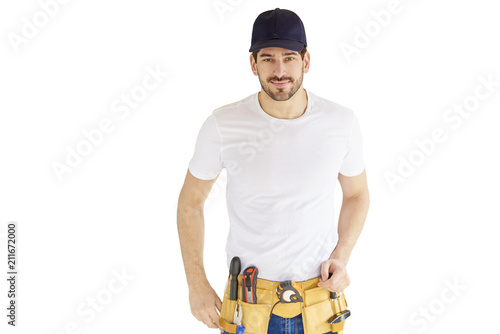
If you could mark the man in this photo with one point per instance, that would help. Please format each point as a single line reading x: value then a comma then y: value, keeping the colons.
x: 284, y: 149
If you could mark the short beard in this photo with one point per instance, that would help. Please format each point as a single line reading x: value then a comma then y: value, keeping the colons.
x: 293, y: 90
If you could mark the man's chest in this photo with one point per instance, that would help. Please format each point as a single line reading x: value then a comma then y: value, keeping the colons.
x: 290, y: 156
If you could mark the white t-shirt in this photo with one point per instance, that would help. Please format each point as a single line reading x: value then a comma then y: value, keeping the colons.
x: 281, y: 176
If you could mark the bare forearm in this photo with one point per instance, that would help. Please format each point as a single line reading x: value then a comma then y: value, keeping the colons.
x: 191, y: 229
x: 351, y: 221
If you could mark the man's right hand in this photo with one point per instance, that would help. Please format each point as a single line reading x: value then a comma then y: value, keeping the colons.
x: 204, y: 305
x: 191, y: 227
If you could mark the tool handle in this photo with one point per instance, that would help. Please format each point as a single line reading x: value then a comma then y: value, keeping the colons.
x: 333, y: 295
x: 234, y: 271
x: 249, y: 285
x: 233, y: 290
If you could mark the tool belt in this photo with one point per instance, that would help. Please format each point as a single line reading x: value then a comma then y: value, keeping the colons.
x: 316, y: 307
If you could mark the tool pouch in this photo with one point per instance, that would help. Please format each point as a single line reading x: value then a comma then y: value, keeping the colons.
x: 255, y: 316
x: 319, y: 308
x: 227, y: 314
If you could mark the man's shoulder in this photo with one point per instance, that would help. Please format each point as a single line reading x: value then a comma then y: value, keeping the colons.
x: 329, y: 104
x: 331, y: 108
x: 240, y: 105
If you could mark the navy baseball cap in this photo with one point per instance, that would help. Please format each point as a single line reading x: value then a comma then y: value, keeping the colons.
x: 280, y: 28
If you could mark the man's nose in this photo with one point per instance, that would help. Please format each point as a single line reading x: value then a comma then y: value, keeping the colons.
x: 279, y: 69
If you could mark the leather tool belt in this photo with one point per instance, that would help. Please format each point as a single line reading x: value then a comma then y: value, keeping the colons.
x: 316, y: 307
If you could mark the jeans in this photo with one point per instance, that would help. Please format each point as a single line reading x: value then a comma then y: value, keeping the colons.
x: 278, y: 325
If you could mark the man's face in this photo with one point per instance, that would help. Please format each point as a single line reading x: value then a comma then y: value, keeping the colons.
x: 280, y: 71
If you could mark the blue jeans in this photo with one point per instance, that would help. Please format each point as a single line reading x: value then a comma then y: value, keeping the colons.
x: 278, y: 325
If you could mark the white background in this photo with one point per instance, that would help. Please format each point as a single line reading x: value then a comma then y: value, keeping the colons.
x: 116, y: 210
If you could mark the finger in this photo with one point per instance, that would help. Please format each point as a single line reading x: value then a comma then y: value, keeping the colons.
x: 326, y: 285
x: 207, y: 319
x: 210, y: 323
x: 198, y: 315
x: 341, y: 282
x: 214, y: 324
x: 331, y: 283
x: 214, y: 318
x: 325, y: 270
x: 218, y: 304
x: 336, y: 281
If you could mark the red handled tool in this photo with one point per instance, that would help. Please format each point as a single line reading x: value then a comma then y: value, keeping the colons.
x: 249, y: 285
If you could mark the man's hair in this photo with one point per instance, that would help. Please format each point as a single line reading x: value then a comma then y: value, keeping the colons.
x: 302, y: 53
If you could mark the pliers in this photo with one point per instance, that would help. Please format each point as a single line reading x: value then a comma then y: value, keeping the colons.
x: 238, y: 314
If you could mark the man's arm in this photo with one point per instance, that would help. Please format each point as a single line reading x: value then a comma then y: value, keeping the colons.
x: 355, y: 203
x: 191, y: 227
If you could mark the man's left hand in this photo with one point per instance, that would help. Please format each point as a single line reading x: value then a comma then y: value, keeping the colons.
x: 339, y: 280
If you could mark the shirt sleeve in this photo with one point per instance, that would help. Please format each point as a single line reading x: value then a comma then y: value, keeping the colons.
x: 353, y: 163
x: 206, y: 162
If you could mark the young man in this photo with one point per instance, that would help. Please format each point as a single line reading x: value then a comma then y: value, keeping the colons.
x: 284, y: 149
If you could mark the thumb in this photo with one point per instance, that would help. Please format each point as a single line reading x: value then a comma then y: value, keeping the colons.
x: 325, y: 266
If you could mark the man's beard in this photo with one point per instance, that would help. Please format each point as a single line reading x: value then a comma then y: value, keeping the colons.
x: 281, y: 95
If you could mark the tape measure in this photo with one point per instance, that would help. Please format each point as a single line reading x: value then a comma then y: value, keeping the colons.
x: 289, y: 292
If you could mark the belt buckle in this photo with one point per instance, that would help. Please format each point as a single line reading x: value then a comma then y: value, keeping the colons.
x: 289, y: 292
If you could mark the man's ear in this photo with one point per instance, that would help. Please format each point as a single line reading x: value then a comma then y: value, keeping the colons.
x: 253, y: 65
x: 307, y: 61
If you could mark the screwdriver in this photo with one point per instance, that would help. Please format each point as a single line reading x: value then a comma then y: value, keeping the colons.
x: 234, y: 271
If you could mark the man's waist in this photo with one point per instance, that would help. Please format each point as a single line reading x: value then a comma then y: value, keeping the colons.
x: 270, y: 285
x: 287, y: 299
x: 275, y: 265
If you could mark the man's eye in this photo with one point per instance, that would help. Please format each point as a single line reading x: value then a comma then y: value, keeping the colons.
x: 267, y: 60
x: 290, y: 58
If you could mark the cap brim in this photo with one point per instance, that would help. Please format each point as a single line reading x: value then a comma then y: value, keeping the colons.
x: 278, y: 43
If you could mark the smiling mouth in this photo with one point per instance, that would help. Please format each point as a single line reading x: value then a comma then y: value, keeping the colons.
x: 280, y: 84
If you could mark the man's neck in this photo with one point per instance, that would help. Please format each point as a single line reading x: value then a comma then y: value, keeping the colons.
x: 290, y: 109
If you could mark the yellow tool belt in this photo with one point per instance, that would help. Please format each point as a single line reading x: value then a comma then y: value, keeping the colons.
x: 317, y: 307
